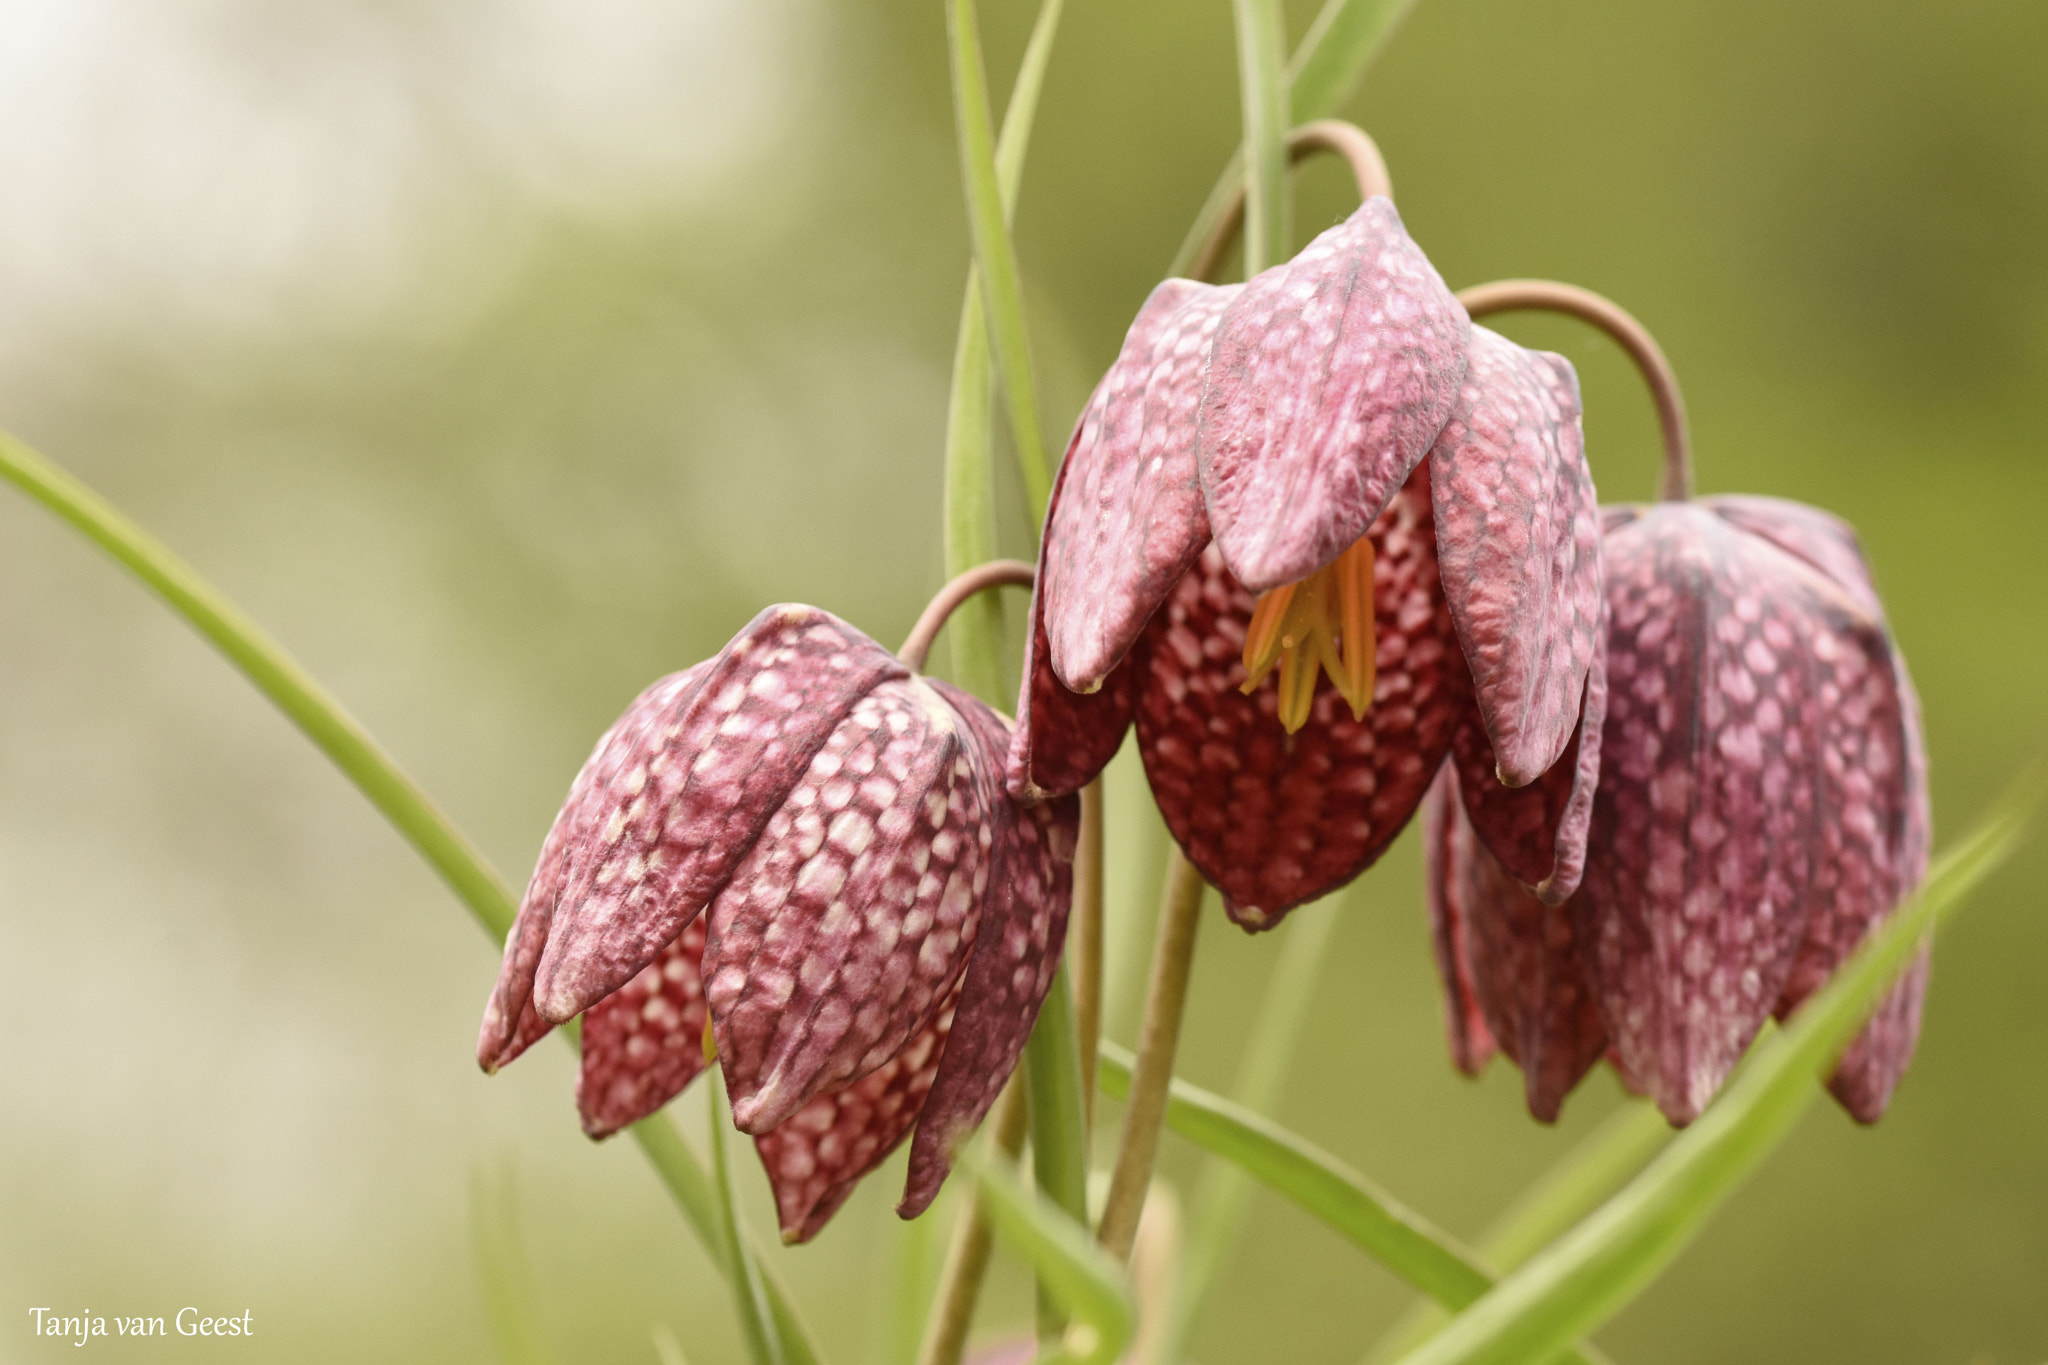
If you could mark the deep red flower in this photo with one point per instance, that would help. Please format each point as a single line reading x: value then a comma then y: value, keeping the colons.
x: 880, y: 920
x: 1245, y: 506
x: 1762, y: 806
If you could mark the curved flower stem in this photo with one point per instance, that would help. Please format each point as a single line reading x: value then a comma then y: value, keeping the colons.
x: 997, y: 573
x: 1506, y: 296
x: 973, y: 1239
x: 1333, y: 54
x: 1084, y: 937
x: 1158, y: 1038
x: 316, y: 712
x: 1354, y: 144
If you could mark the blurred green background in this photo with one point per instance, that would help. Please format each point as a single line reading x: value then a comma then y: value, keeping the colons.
x: 502, y: 356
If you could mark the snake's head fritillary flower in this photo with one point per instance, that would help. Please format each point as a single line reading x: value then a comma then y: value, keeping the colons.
x: 1246, y: 509
x: 812, y: 847
x: 1762, y: 798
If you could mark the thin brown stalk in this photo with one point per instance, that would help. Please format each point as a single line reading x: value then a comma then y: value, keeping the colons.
x: 1368, y: 169
x: 1158, y: 1038
x: 996, y: 573
x: 973, y: 1241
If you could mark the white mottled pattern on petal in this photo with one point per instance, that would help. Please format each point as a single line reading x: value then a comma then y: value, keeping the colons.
x: 1329, y: 379
x: 850, y: 919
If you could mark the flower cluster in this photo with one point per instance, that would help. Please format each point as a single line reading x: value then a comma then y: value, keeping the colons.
x: 1669, y: 759
x: 1673, y: 763
x: 807, y: 848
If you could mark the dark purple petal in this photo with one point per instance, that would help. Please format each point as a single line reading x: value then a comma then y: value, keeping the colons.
x: 1330, y: 377
x: 1539, y: 831
x: 1876, y: 1057
x: 1705, y: 864
x: 1023, y: 929
x: 644, y: 1043
x: 1518, y: 545
x: 1063, y: 738
x: 1524, y: 970
x: 683, y: 790
x: 1472, y: 1043
x: 511, y: 1023
x: 846, y: 924
x: 1126, y: 516
x: 816, y: 1156
x: 1879, y: 831
x: 1274, y: 819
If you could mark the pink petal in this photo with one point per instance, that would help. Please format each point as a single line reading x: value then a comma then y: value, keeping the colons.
x: 1525, y: 972
x: 511, y: 1023
x: 1472, y: 1043
x: 644, y: 1043
x: 848, y: 921
x: 1024, y: 928
x: 816, y: 1156
x: 1330, y: 377
x: 1820, y: 538
x: 1063, y: 738
x: 684, y: 788
x: 1539, y: 831
x: 1126, y: 518
x: 1274, y: 819
x: 1518, y: 544
x: 1705, y: 869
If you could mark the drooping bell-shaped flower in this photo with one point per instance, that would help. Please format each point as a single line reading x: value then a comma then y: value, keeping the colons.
x: 1762, y: 798
x: 812, y: 846
x: 1245, y: 510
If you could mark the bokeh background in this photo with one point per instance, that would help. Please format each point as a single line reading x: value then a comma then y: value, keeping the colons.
x: 502, y: 356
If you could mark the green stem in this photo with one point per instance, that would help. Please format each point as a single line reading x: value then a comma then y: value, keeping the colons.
x: 1222, y: 1199
x: 973, y: 1240
x: 1059, y: 1155
x: 764, y: 1346
x: 1166, y: 998
x: 970, y: 500
x: 1001, y: 289
x: 1325, y: 1187
x: 1263, y: 91
x: 377, y: 775
x: 1335, y: 52
x: 1084, y: 947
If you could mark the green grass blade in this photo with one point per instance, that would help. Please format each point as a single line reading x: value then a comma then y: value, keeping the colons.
x: 976, y: 633
x: 1262, y: 89
x: 1080, y: 1274
x: 277, y: 675
x: 1052, y: 1064
x: 1590, y: 1273
x: 288, y: 686
x: 1587, y: 1174
x: 1371, y: 1219
x: 511, y: 1289
x: 1345, y: 38
x: 1001, y: 290
x: 1342, y: 42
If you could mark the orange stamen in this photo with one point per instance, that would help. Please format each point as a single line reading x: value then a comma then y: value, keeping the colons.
x: 1322, y: 624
